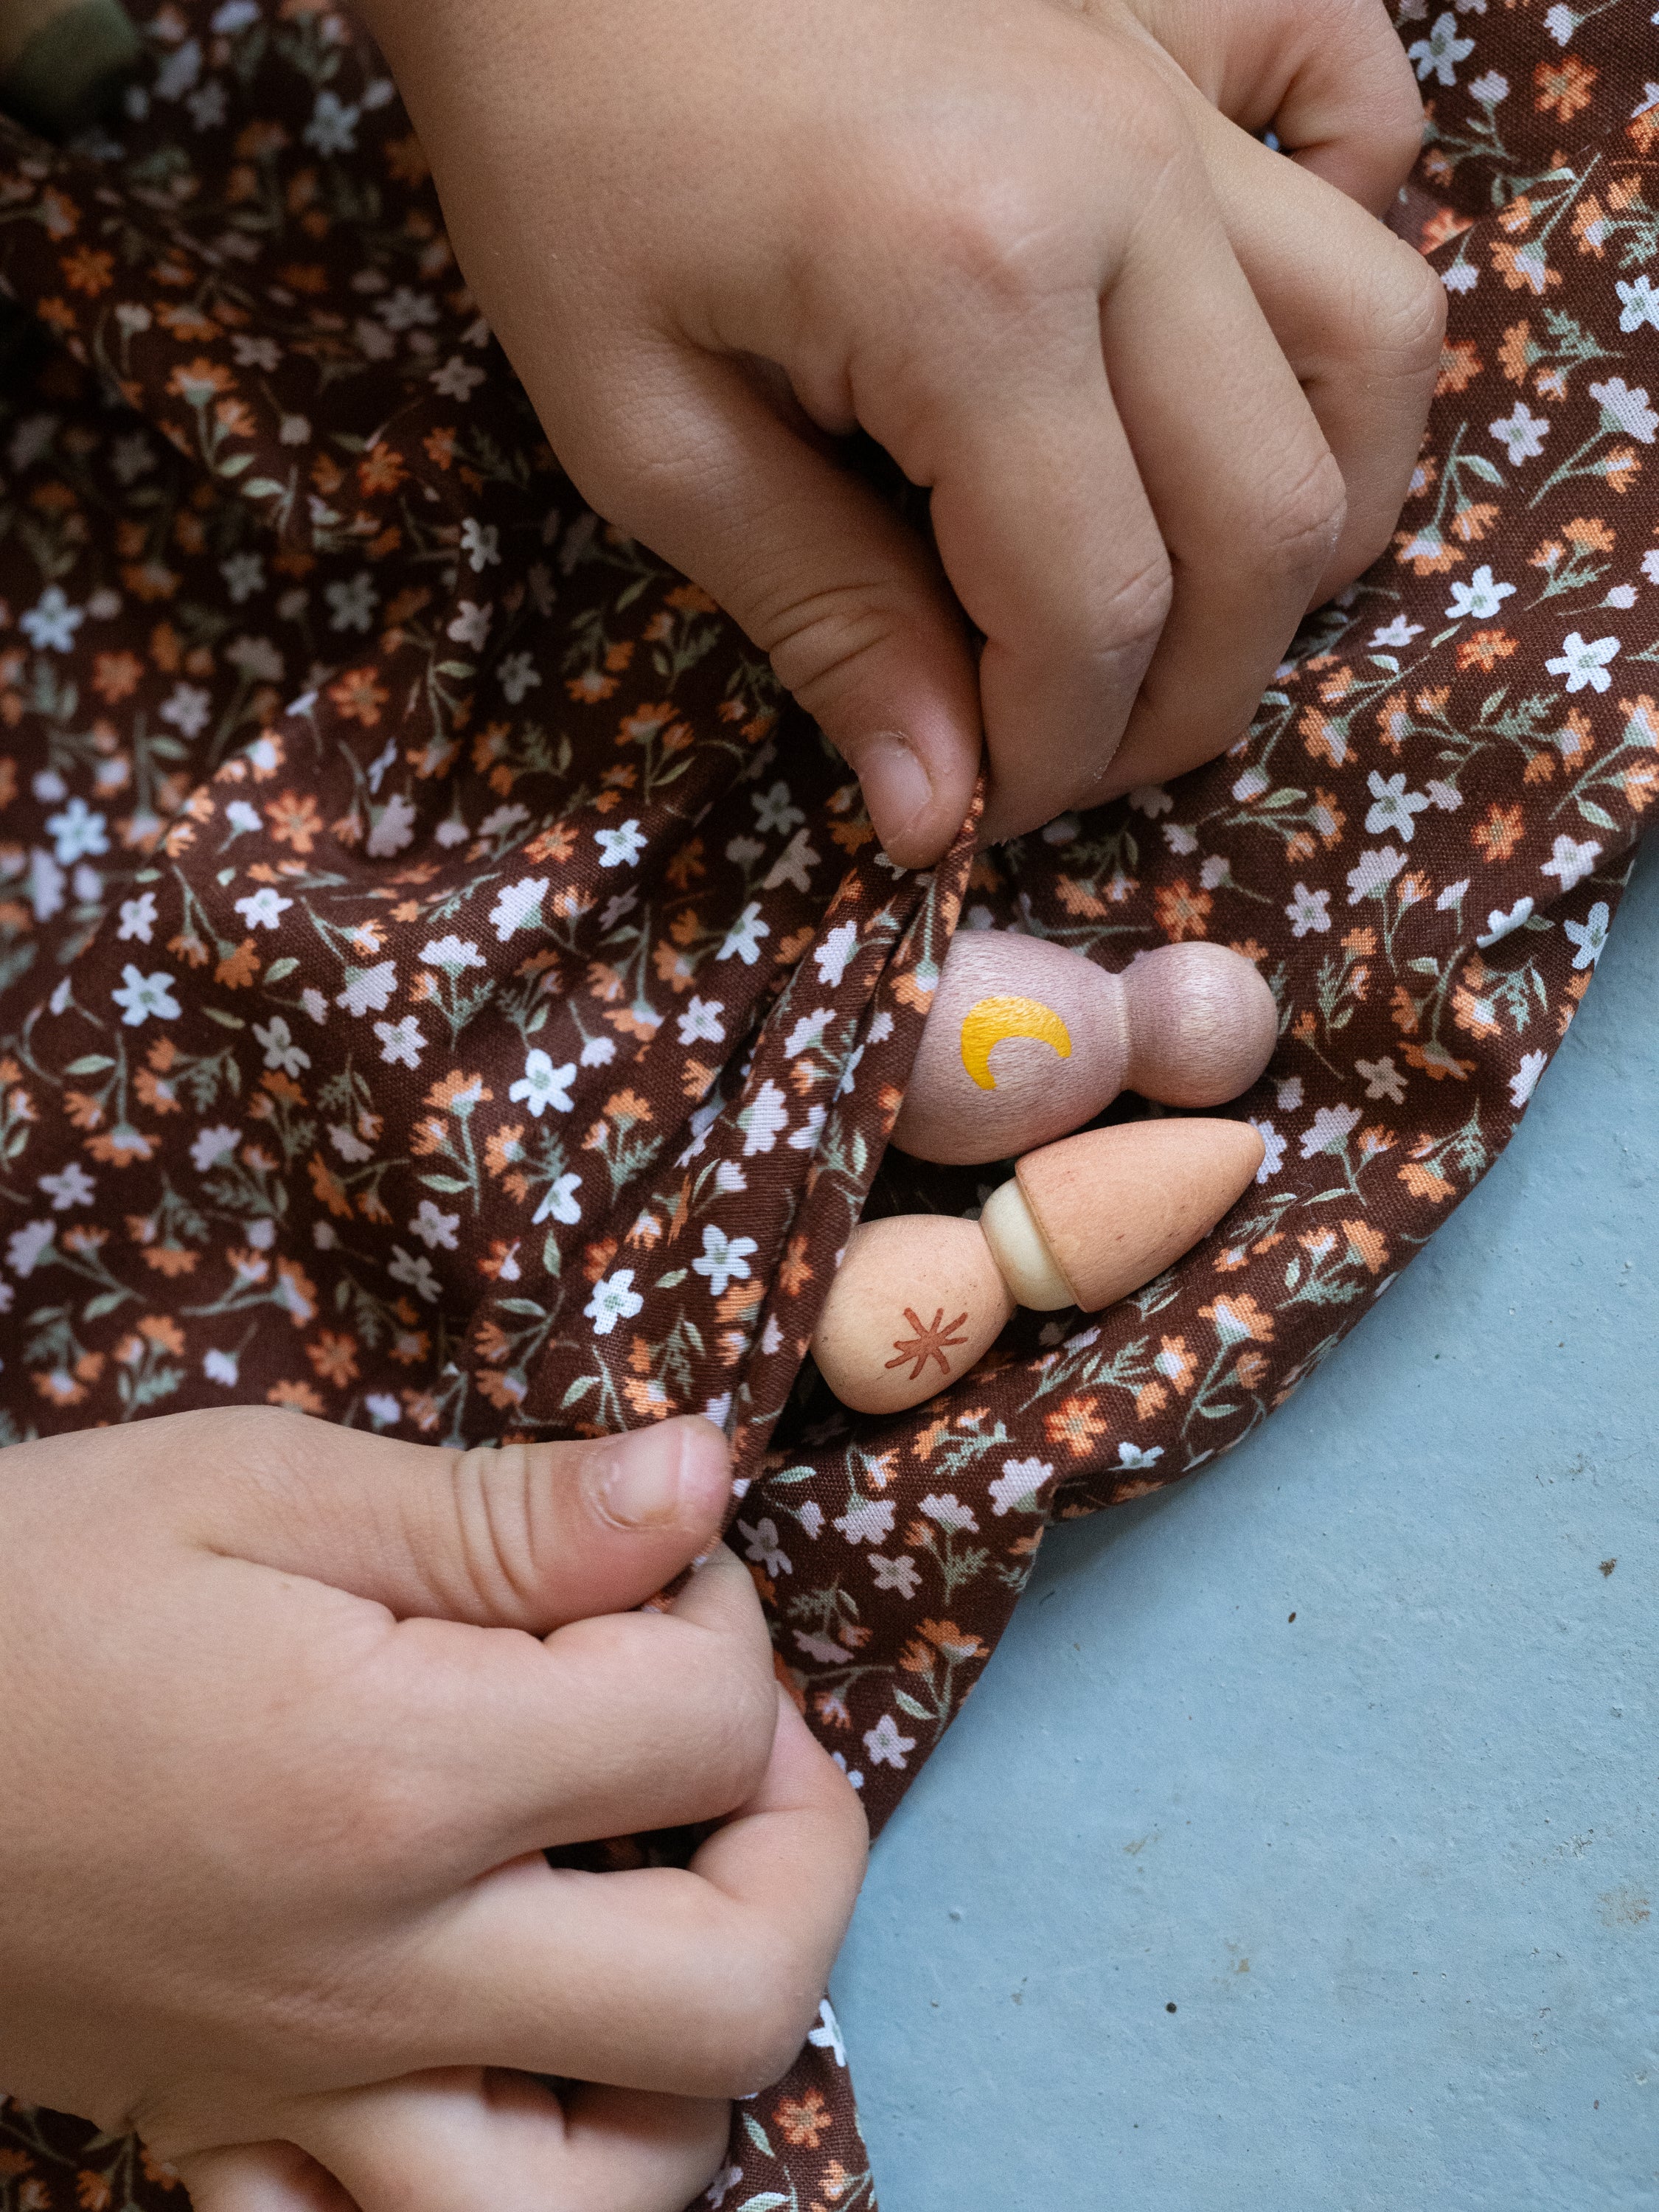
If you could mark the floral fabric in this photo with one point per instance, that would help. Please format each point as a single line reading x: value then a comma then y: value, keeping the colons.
x: 443, y: 988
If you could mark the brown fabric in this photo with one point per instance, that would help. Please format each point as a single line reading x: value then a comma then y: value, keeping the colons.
x: 443, y: 988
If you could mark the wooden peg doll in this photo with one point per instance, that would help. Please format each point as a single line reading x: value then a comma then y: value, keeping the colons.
x: 1026, y: 1040
x: 921, y: 1297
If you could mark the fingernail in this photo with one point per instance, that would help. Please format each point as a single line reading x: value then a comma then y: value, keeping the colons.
x: 897, y: 785
x: 640, y: 1482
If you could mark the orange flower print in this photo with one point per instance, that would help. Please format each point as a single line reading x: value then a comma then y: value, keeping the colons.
x: 803, y: 2119
x: 1500, y: 832
x: 334, y: 1358
x: 1075, y: 1426
x: 1182, y: 911
x: 295, y: 820
x: 358, y: 696
x: 1238, y: 1317
x: 1564, y: 87
x: 89, y: 270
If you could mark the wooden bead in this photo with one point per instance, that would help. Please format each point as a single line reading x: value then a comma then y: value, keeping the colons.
x: 915, y: 1303
x: 1026, y: 1040
x: 920, y: 1298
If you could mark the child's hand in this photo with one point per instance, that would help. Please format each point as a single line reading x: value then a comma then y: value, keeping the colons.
x: 1167, y: 387
x: 290, y: 1713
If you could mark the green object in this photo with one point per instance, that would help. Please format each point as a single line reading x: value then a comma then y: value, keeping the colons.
x: 72, y: 67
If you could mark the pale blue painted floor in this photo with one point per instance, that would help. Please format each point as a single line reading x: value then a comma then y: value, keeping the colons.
x: 1394, y: 1866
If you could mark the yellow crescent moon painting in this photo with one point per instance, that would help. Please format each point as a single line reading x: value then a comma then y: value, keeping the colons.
x: 987, y: 1021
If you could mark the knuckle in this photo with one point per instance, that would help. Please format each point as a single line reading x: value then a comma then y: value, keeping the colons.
x: 1406, y: 318
x: 818, y: 641
x: 496, y: 1549
x: 756, y: 2024
x: 1303, y: 522
x: 1131, y: 616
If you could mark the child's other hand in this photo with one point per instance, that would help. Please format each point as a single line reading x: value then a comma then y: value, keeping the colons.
x: 1167, y: 387
x: 291, y: 1712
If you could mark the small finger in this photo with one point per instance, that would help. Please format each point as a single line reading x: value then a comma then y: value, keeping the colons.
x: 818, y: 570
x: 699, y: 1981
x: 470, y: 2139
x: 270, y: 2176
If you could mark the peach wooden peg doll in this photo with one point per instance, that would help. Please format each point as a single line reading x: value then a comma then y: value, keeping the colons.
x: 1027, y: 1040
x: 919, y: 1297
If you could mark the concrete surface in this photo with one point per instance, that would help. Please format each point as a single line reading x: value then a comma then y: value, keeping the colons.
x: 1203, y: 1909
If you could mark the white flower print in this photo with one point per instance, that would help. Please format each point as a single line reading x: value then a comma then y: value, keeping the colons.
x: 776, y: 810
x: 1560, y: 22
x: 51, y: 623
x: 212, y: 1145
x: 452, y: 953
x: 1500, y: 925
x: 1381, y: 1079
x: 869, y: 1521
x: 383, y: 1409
x: 25, y: 1248
x: 743, y: 938
x: 263, y: 909
x: 1133, y: 1456
x: 599, y: 1052
x: 1330, y: 1130
x: 949, y: 1512
x: 1524, y: 1081
x: 832, y: 956
x: 826, y: 2035
x: 898, y: 1574
x: 1581, y: 663
x: 518, y: 674
x: 369, y: 989
x: 725, y: 1258
x: 1481, y: 597
x: 542, y: 1085
x: 1522, y: 433
x: 76, y: 832
x: 481, y: 543
x: 401, y: 1043
x: 394, y: 827
x: 1490, y: 90
x: 414, y: 1270
x: 243, y: 574
x: 352, y: 603
x: 1019, y: 1481
x: 1397, y: 633
x: 189, y: 709
x: 763, y: 1119
x: 221, y: 1367
x: 614, y: 1299
x: 804, y: 1139
x: 456, y: 379
x: 559, y: 1202
x: 433, y: 1228
x: 764, y: 1549
x: 1309, y: 910
x: 280, y: 1049
x: 518, y: 906
x: 142, y: 996
x: 1392, y: 806
x: 1638, y: 303
x: 471, y: 625
x: 885, y: 1745
x: 1374, y: 872
x: 1570, y: 862
x: 1623, y: 409
x: 333, y: 126
x: 1590, y: 935
x: 620, y: 847
x: 1273, y: 1156
x: 138, y: 917
x: 700, y: 1022
x: 807, y: 1034
x: 1438, y: 54
x: 70, y: 1185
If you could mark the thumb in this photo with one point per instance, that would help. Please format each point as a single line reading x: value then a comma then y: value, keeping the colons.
x: 821, y: 574
x: 520, y: 1535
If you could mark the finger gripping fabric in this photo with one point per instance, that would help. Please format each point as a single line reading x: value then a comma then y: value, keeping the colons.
x: 445, y: 990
